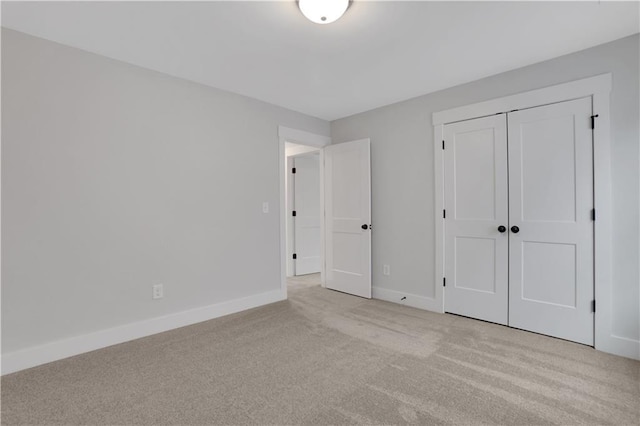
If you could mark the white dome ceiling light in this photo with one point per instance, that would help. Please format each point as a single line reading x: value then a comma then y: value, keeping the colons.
x: 323, y: 11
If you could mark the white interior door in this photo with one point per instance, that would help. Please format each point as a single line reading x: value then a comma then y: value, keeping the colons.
x: 551, y: 201
x: 347, y: 189
x: 476, y: 241
x: 306, y: 189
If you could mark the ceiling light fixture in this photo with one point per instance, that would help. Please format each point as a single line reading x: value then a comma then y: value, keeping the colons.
x: 323, y: 11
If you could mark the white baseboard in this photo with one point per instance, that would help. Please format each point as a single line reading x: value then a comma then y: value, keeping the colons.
x: 415, y: 301
x: 622, y: 346
x: 42, y: 354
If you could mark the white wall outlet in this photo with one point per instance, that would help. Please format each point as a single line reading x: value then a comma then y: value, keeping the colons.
x: 158, y: 291
x: 265, y: 207
x: 386, y: 270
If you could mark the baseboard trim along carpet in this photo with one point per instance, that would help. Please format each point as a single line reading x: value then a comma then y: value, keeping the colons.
x: 42, y: 354
x: 622, y: 346
x: 407, y: 299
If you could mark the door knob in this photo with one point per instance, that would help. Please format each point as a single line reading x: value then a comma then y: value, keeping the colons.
x: 501, y: 228
x: 365, y: 226
x: 515, y: 229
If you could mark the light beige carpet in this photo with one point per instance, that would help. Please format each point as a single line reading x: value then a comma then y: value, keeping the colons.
x: 323, y: 357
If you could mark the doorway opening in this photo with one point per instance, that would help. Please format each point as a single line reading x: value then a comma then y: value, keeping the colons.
x: 344, y: 216
x: 303, y: 197
x: 294, y: 143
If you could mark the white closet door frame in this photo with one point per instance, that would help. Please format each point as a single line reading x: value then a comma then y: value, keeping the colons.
x: 599, y: 89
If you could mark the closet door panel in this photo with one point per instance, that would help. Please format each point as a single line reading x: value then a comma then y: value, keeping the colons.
x: 551, y: 230
x: 476, y: 252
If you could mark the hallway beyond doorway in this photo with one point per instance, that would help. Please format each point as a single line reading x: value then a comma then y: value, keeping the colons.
x: 303, y: 281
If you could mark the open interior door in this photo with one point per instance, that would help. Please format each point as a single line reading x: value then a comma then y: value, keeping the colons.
x: 307, y: 213
x: 347, y: 174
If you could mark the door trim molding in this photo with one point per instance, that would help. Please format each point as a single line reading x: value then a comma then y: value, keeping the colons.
x: 286, y: 134
x: 600, y: 84
x: 599, y: 89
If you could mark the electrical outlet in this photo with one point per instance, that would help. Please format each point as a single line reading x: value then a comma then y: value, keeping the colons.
x: 158, y: 291
x: 265, y: 207
x: 386, y: 270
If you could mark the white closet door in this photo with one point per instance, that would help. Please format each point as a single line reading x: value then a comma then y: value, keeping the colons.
x: 550, y: 204
x: 476, y: 251
x: 347, y: 174
x: 307, y: 208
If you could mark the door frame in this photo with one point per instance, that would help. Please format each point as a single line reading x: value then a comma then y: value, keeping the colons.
x: 599, y: 89
x: 301, y: 137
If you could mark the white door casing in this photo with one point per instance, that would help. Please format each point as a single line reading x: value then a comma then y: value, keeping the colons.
x: 550, y: 202
x: 347, y: 174
x: 306, y: 189
x: 476, y: 252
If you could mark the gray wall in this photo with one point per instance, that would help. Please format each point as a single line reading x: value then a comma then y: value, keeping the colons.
x: 115, y: 178
x: 403, y: 178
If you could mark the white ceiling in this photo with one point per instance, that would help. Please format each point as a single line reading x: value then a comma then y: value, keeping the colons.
x: 377, y: 54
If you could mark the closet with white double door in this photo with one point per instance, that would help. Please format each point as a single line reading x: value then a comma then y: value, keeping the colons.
x: 518, y: 233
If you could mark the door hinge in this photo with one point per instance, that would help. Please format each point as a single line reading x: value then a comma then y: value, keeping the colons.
x: 593, y: 214
x: 442, y: 144
x: 293, y: 170
x: 444, y: 282
x: 593, y: 306
x: 444, y: 214
x: 294, y: 213
x: 295, y: 256
x: 593, y: 121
